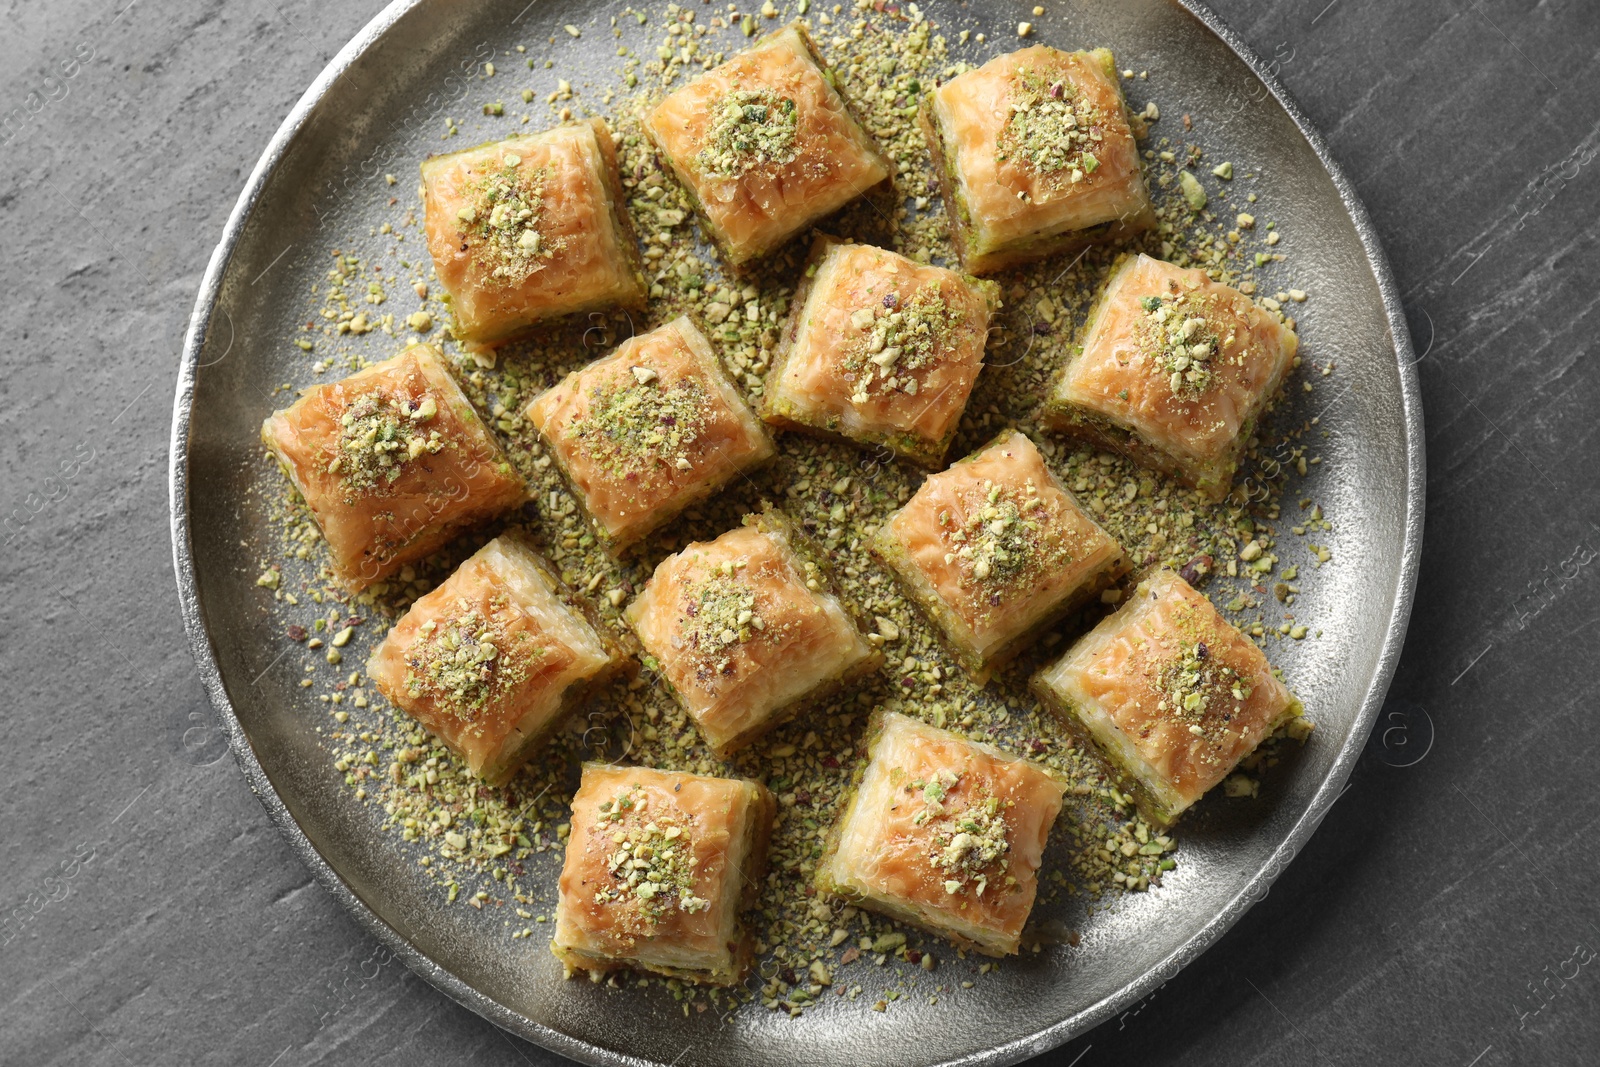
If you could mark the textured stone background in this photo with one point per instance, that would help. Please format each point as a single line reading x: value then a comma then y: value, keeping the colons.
x: 1451, y: 883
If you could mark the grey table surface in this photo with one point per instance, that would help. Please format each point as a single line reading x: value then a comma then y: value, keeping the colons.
x: 1444, y: 914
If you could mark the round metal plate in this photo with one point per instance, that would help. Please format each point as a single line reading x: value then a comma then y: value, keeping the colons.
x: 378, y: 108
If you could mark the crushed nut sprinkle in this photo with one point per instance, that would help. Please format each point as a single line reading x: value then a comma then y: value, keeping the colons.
x: 1053, y: 129
x: 464, y: 660
x: 753, y: 128
x: 503, y: 216
x: 1005, y: 542
x: 1177, y: 334
x: 719, y: 614
x: 378, y: 435
x: 643, y: 425
x: 652, y: 860
x: 898, y: 341
x: 967, y: 841
x: 1196, y: 682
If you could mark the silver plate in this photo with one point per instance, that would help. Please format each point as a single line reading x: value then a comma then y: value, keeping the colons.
x: 378, y: 108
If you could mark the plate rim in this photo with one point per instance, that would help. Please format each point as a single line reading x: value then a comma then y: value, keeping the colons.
x: 457, y: 989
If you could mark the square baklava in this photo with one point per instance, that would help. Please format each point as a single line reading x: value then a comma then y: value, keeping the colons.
x: 1172, y: 693
x: 746, y: 630
x: 1035, y: 155
x: 944, y: 833
x: 492, y: 660
x: 530, y: 228
x: 765, y: 145
x: 393, y: 461
x: 1173, y: 370
x: 648, y: 430
x: 994, y: 549
x: 880, y: 349
x: 659, y: 865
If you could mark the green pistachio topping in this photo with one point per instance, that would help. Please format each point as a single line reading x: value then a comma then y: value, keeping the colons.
x: 1177, y: 334
x: 752, y: 128
x: 899, y: 340
x: 966, y: 840
x: 719, y: 614
x: 1053, y: 129
x: 503, y: 214
x: 378, y: 435
x: 643, y: 425
x: 1006, y: 544
x: 652, y: 859
x: 1196, y: 682
x: 464, y: 660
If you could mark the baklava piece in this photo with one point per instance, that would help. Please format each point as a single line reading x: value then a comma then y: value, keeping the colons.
x: 880, y: 349
x: 943, y: 833
x: 530, y: 228
x: 1173, y: 694
x: 493, y: 659
x: 649, y: 430
x: 765, y: 145
x: 392, y: 461
x: 1035, y: 155
x: 746, y: 631
x: 1173, y: 370
x: 659, y: 865
x: 994, y: 549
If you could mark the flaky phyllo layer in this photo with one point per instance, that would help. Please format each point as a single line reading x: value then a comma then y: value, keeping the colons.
x: 944, y: 833
x: 659, y: 865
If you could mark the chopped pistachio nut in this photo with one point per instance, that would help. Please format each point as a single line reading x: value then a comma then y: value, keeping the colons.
x: 503, y: 216
x: 968, y: 840
x: 1053, y: 129
x: 652, y: 858
x: 1003, y: 547
x: 640, y: 425
x: 466, y: 659
x: 753, y: 129
x: 1176, y: 334
x: 1194, y: 194
x: 378, y: 435
x: 719, y: 613
x: 896, y: 342
x: 1196, y: 682
x: 1240, y: 785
